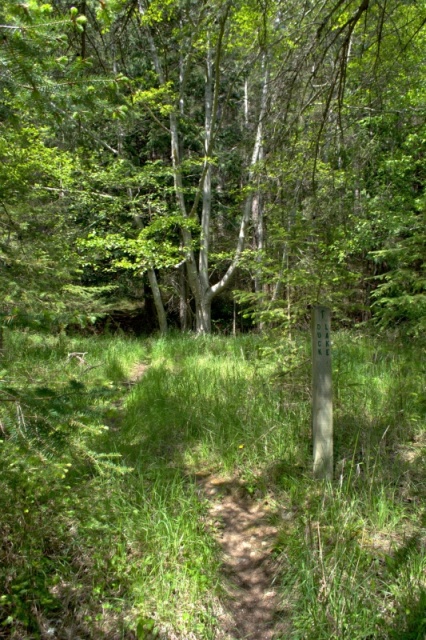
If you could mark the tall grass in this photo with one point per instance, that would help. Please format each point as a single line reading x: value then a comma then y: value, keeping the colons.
x: 59, y: 546
x: 353, y: 556
x: 206, y: 403
x: 105, y: 533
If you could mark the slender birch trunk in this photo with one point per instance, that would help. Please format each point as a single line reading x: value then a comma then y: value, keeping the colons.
x: 184, y: 311
x: 258, y: 212
x: 248, y: 205
x: 198, y: 274
x: 259, y: 242
x: 203, y: 311
x: 158, y: 301
x: 259, y: 236
x: 176, y: 165
x: 204, y: 314
x: 153, y: 283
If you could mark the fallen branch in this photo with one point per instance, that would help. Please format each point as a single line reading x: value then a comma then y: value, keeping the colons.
x: 78, y: 355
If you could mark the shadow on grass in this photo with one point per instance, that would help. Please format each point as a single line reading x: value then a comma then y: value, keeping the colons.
x: 236, y: 420
x: 213, y: 418
x: 409, y: 620
x: 48, y: 532
x: 177, y: 422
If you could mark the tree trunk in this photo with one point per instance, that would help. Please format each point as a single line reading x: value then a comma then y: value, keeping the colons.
x: 204, y: 315
x: 224, y: 282
x: 259, y: 245
x: 153, y: 282
x: 184, y: 311
x: 203, y: 263
x: 159, y: 307
x: 257, y: 206
x: 198, y: 274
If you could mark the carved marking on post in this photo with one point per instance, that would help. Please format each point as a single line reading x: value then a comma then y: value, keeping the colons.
x: 322, y: 402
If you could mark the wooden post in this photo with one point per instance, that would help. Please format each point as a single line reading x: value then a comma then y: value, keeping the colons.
x: 322, y: 402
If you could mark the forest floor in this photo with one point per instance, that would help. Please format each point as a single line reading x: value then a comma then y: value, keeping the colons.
x: 243, y: 528
x: 241, y: 524
x: 162, y: 490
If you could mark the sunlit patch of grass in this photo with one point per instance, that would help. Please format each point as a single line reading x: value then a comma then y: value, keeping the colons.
x: 353, y: 556
x: 104, y: 527
x: 177, y: 561
x: 204, y: 406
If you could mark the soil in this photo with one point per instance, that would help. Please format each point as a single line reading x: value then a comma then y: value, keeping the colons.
x: 137, y: 372
x: 242, y: 526
x: 246, y: 536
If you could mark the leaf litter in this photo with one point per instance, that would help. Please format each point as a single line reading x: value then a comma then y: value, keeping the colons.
x: 243, y: 529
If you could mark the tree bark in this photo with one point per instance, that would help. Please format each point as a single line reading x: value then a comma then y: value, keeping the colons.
x: 184, y: 310
x: 248, y: 205
x: 153, y: 283
x: 158, y: 301
x: 204, y: 315
x: 198, y: 274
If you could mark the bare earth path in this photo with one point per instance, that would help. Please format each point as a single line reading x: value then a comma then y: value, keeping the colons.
x: 243, y: 530
x: 246, y: 538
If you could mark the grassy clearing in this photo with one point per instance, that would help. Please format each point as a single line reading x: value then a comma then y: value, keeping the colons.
x: 60, y: 548
x: 104, y: 533
x: 209, y: 403
x: 354, y: 553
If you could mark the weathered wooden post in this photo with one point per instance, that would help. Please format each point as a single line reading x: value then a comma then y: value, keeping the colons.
x: 322, y: 401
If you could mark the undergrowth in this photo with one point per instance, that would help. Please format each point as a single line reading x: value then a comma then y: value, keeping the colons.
x: 352, y: 555
x: 104, y: 532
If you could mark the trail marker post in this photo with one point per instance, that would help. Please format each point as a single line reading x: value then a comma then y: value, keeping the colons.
x: 322, y: 401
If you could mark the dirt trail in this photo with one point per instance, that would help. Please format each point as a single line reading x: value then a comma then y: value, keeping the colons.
x: 137, y: 372
x: 246, y: 538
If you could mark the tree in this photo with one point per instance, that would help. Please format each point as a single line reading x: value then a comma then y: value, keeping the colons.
x: 202, y: 141
x: 41, y: 271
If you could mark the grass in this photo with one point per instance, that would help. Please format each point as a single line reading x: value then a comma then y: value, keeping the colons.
x: 59, y: 544
x: 205, y: 408
x: 105, y: 533
x: 354, y: 552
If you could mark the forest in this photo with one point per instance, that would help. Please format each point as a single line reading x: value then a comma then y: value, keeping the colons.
x: 181, y: 183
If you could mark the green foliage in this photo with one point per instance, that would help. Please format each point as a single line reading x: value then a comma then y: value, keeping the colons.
x: 40, y: 266
x: 91, y: 541
x: 399, y: 296
x: 86, y: 135
x: 54, y: 473
x: 341, y: 547
x: 104, y: 529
